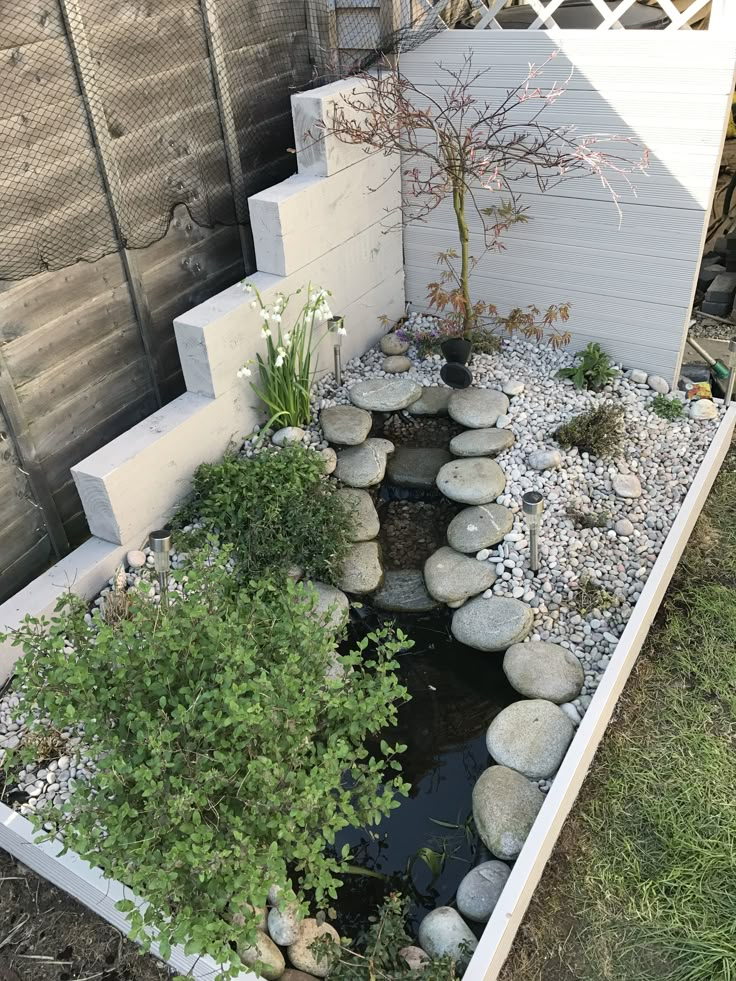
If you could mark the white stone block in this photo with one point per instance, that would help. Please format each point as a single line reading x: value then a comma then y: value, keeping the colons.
x: 318, y: 153
x: 295, y: 222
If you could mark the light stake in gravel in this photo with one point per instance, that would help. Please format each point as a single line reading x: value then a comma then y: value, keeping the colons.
x: 160, y: 545
x: 533, y: 504
x: 334, y: 326
x: 731, y: 371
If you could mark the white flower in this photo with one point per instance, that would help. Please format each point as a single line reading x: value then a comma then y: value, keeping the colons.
x: 276, y: 318
x: 279, y: 360
x: 323, y: 311
x: 341, y: 330
x: 265, y: 331
x: 287, y: 341
x: 281, y: 351
x: 246, y: 287
x: 313, y: 297
x: 253, y: 305
x: 244, y: 372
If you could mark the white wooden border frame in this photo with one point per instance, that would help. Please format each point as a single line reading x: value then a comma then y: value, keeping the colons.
x: 499, y: 934
x: 88, y: 885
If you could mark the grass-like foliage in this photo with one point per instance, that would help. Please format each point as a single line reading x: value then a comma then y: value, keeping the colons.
x: 598, y: 432
x: 665, y: 408
x: 276, y: 510
x: 593, y: 369
x: 228, y: 760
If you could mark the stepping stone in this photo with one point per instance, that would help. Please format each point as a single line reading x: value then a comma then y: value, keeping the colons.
x: 404, y: 591
x: 329, y: 598
x: 540, y: 670
x: 626, y: 485
x: 365, y: 524
x: 452, y: 577
x: 479, y: 527
x: 362, y: 571
x: 379, y: 443
x: 432, y: 402
x: 476, y: 480
x: 477, y: 408
x: 482, y: 442
x: 345, y: 425
x: 385, y: 394
x: 361, y: 466
x: 492, y: 624
x: 530, y: 737
x: 444, y: 933
x: 417, y: 467
x: 480, y: 890
x: 396, y: 364
x: 392, y: 344
x: 505, y: 806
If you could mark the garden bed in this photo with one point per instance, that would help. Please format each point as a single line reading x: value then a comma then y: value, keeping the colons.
x: 611, y: 532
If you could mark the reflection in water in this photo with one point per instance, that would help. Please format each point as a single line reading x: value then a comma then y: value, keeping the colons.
x: 456, y: 692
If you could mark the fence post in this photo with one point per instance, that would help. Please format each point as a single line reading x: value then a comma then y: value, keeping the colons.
x: 84, y: 66
x: 26, y: 452
x: 322, y: 38
x: 220, y: 78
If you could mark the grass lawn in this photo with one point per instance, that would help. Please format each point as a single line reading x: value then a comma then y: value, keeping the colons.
x: 642, y: 885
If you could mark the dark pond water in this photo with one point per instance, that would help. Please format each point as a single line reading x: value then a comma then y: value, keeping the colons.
x: 456, y: 692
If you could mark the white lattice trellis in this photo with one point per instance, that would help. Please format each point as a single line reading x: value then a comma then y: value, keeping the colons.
x: 610, y: 17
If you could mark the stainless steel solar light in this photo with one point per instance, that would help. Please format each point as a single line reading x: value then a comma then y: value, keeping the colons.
x: 532, y: 504
x: 160, y: 544
x: 335, y: 326
x: 731, y: 361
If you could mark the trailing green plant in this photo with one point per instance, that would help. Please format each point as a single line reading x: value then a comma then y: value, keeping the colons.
x: 230, y: 754
x: 588, y: 519
x: 590, y: 596
x: 665, y: 408
x: 598, y: 431
x: 276, y: 510
x: 375, y: 955
x: 593, y: 369
x: 286, y: 374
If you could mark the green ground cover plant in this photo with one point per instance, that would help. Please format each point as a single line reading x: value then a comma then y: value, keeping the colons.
x: 593, y: 369
x: 665, y: 408
x: 598, y: 431
x: 229, y: 756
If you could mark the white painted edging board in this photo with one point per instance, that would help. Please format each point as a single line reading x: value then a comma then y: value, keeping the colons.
x: 499, y: 934
x: 86, y: 884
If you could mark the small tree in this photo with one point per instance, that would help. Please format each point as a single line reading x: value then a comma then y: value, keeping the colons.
x: 455, y: 145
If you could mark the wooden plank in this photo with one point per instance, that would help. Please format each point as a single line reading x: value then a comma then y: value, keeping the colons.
x: 358, y: 29
x: 26, y: 21
x: 104, y: 12
x: 263, y: 23
x: 149, y: 45
x: 34, y: 75
x: 25, y: 568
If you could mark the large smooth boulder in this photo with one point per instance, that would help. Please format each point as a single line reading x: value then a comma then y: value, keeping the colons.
x: 480, y: 890
x: 345, y: 425
x: 365, y: 524
x: 396, y: 364
x: 452, y: 577
x: 481, y: 442
x: 284, y: 924
x: 476, y: 480
x: 477, y: 408
x: 332, y: 599
x: 362, y: 571
x: 540, y: 670
x: 432, y: 402
x: 384, y: 394
x: 361, y: 466
x: 505, y: 806
x: 300, y: 954
x: 531, y: 737
x: 444, y: 932
x: 404, y: 591
x: 393, y: 345
x: 492, y: 624
x: 479, y: 527
x: 266, y: 955
x: 416, y: 467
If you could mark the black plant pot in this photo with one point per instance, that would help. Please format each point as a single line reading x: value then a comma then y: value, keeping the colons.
x: 457, y: 350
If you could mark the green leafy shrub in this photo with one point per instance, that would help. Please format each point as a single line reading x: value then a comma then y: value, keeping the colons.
x: 593, y: 369
x: 375, y: 956
x: 276, y: 511
x: 228, y: 760
x: 665, y: 408
x: 599, y: 431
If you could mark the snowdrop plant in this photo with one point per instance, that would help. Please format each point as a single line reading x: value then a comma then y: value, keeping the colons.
x: 286, y: 373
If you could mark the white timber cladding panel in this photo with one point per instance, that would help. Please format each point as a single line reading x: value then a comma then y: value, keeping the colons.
x: 630, y: 278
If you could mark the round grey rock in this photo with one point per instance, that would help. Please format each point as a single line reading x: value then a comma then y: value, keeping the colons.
x: 345, y: 425
x: 540, y: 670
x: 396, y: 364
x: 291, y: 975
x: 332, y: 599
x: 136, y: 559
x: 432, y: 402
x: 637, y: 376
x: 330, y: 459
x: 626, y: 485
x: 392, y: 344
x: 530, y: 737
x: 361, y: 466
x: 266, y: 955
x: 416, y: 467
x: 444, y: 932
x: 479, y: 527
x: 480, y: 890
x: 624, y: 528
x: 415, y: 958
x: 513, y: 387
x: 284, y: 925
x: 703, y: 409
x: 481, y: 442
x: 300, y: 954
x: 379, y: 443
x: 452, y: 577
x: 404, y: 591
x: 476, y: 480
x: 362, y: 571
x: 289, y: 434
x: 505, y: 806
x: 365, y: 524
x: 545, y: 460
x: 492, y: 624
x: 384, y: 394
x: 658, y: 384
x: 477, y: 408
